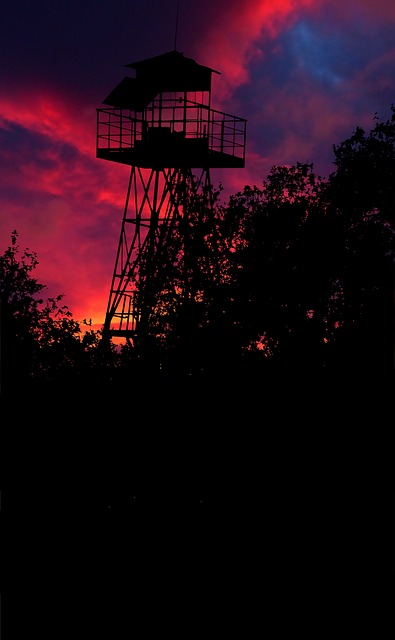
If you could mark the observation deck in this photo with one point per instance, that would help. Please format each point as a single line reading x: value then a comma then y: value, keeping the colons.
x: 163, y: 119
x: 209, y: 139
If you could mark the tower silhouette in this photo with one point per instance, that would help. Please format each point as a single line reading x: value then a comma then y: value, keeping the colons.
x: 160, y: 123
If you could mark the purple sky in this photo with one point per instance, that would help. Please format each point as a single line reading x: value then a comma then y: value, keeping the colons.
x: 303, y: 73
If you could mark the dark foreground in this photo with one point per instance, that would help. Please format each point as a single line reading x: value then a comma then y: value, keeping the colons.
x: 144, y: 511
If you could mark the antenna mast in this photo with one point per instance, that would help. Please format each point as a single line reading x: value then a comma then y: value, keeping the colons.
x: 175, y: 36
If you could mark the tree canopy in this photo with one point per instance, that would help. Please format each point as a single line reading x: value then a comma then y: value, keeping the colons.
x: 40, y: 340
x: 296, y: 274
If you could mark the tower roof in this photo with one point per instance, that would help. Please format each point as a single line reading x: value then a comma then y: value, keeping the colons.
x: 172, y: 71
x: 131, y: 94
x: 168, y: 72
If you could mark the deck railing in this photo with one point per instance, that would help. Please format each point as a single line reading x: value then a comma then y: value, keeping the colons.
x: 121, y: 129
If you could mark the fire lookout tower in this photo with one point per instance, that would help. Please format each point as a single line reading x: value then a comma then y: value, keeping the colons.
x: 161, y: 124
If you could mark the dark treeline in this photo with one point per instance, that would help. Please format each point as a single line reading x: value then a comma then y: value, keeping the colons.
x: 264, y: 407
x: 293, y: 306
x: 303, y: 282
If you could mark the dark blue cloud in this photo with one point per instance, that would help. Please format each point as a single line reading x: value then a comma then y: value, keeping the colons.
x: 317, y: 54
x: 32, y: 146
x: 316, y: 82
x: 324, y: 54
x: 331, y: 54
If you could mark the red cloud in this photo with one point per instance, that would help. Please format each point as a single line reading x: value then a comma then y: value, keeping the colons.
x: 229, y: 41
x: 65, y: 204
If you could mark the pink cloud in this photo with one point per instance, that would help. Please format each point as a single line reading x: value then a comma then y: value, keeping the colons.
x: 230, y: 39
x: 48, y: 114
x: 65, y: 204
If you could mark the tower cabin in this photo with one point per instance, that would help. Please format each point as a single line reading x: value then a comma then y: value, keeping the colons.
x: 162, y: 118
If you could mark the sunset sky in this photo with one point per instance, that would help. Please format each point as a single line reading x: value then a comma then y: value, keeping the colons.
x: 304, y: 73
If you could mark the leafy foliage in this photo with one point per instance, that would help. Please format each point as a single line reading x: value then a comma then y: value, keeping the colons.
x: 361, y: 194
x: 39, y: 338
x: 296, y: 274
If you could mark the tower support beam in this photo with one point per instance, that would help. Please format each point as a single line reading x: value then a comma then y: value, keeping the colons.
x: 154, y: 234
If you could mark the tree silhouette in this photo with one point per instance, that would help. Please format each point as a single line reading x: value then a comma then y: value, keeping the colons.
x: 361, y: 196
x: 310, y: 263
x: 295, y: 275
x: 40, y: 340
x: 298, y: 275
x: 277, y: 281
